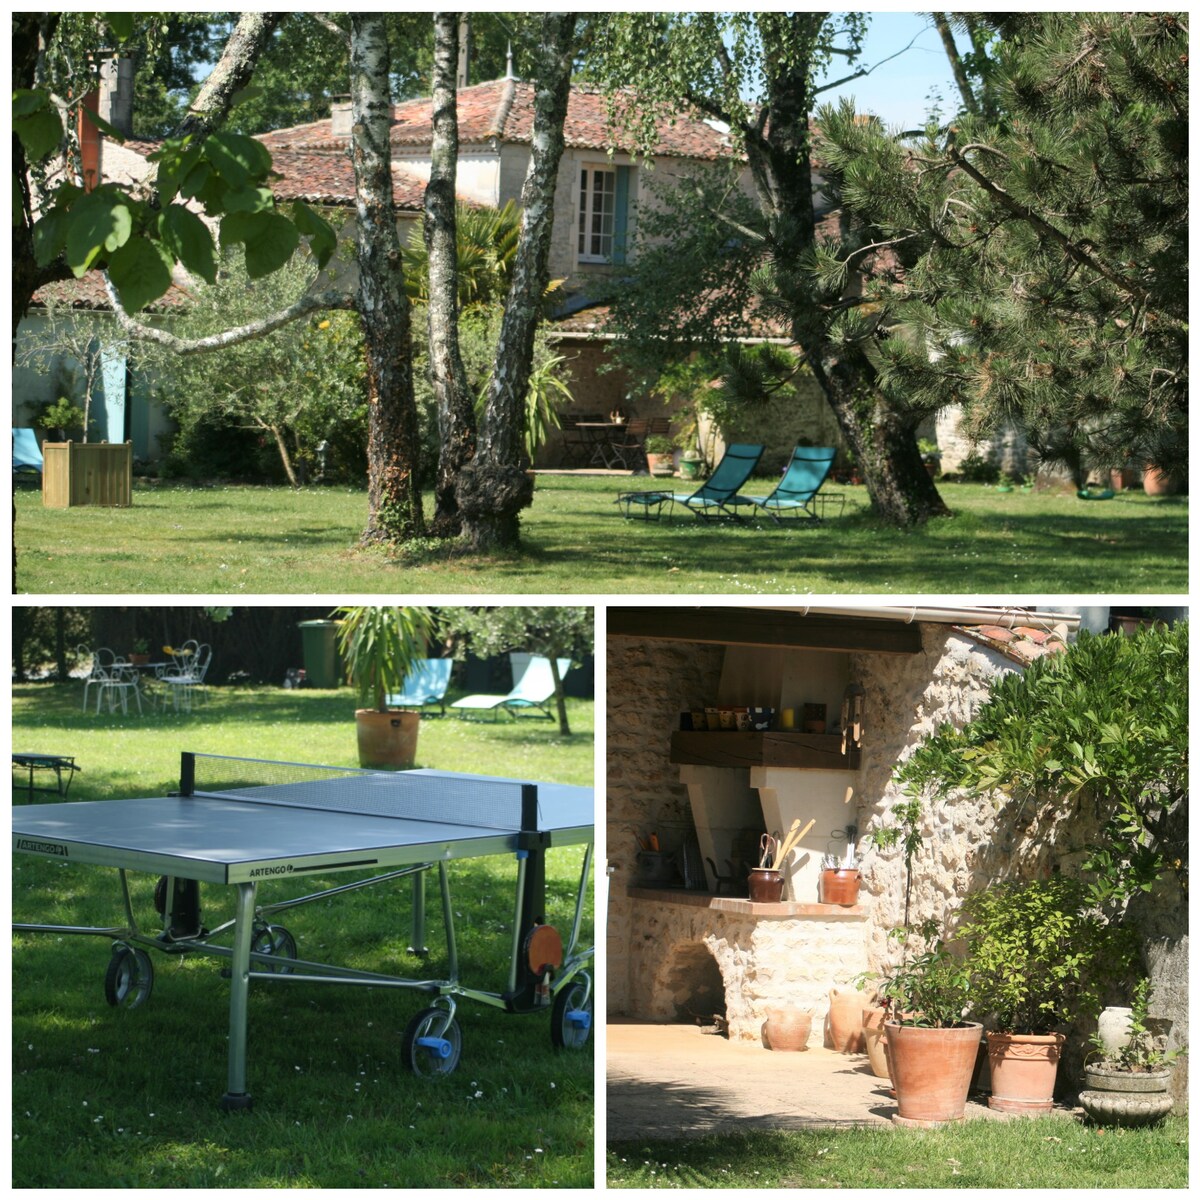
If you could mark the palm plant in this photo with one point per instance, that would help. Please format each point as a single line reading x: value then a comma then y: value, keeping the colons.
x: 379, y: 645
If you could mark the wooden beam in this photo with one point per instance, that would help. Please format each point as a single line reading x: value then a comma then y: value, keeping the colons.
x: 764, y: 627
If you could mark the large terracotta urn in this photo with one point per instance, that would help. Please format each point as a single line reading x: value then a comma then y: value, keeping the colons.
x: 787, y: 1029
x: 875, y: 1040
x: 845, y: 1021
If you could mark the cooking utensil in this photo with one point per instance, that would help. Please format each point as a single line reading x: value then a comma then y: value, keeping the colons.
x: 767, y: 846
x: 794, y: 836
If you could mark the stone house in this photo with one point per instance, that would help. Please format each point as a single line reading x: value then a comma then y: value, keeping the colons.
x: 682, y: 944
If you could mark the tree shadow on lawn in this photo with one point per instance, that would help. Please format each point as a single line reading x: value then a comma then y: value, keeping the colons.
x: 1071, y: 550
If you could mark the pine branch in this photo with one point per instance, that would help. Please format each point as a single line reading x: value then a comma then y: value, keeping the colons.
x: 1025, y: 213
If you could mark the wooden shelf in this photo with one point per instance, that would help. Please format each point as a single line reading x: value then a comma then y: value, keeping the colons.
x: 804, y: 751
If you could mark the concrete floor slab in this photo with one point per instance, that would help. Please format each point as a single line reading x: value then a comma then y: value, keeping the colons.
x: 676, y: 1081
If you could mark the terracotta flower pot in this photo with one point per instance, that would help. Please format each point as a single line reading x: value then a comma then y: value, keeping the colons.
x: 787, y: 1029
x: 931, y: 1069
x: 876, y: 1040
x: 1156, y: 482
x: 386, y: 740
x: 845, y: 1021
x: 1023, y: 1069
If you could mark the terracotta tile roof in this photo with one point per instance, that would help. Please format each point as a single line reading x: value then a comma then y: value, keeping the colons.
x: 503, y: 110
x: 88, y: 292
x: 1023, y: 643
x: 321, y: 175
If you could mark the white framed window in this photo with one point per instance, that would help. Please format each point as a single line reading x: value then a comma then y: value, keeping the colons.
x: 597, y: 214
x: 604, y: 214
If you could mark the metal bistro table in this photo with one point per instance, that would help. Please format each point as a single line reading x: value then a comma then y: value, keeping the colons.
x: 601, y: 437
x: 245, y: 822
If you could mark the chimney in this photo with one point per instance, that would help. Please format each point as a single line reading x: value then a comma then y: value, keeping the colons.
x: 463, y: 74
x: 341, y: 114
x: 116, y: 93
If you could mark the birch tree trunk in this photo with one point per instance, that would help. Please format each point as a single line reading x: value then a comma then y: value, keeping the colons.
x: 455, y: 404
x: 393, y: 499
x: 494, y: 487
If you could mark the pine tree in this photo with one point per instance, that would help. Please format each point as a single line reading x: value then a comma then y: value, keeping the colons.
x: 1040, y: 271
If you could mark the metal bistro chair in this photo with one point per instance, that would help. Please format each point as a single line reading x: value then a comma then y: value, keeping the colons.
x: 185, y: 678
x: 113, y: 678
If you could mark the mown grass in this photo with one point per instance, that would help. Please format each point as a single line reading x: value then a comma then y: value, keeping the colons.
x: 230, y: 540
x: 1050, y: 1152
x: 128, y: 1098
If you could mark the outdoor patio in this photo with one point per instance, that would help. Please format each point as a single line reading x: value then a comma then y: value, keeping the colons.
x: 678, y: 1081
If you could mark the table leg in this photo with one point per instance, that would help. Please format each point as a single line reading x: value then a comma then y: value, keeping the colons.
x: 239, y: 994
x: 418, y: 946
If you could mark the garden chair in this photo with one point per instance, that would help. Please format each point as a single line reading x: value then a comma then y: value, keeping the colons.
x: 185, y: 677
x: 424, y: 685
x: 576, y: 447
x: 27, y: 454
x: 631, y: 450
x: 113, y: 679
x: 712, y: 500
x: 534, y: 689
x: 796, y: 492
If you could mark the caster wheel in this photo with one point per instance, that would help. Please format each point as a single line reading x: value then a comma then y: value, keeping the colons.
x: 432, y: 1043
x: 571, y: 1016
x: 129, y: 979
x: 278, y: 943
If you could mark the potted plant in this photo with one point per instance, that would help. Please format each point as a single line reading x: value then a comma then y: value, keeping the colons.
x: 931, y: 456
x: 931, y: 1047
x: 660, y: 454
x: 690, y: 462
x: 1040, y: 958
x: 1131, y: 1085
x: 379, y: 645
x: 140, y: 654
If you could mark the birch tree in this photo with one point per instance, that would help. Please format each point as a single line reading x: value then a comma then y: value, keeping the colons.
x: 393, y: 499
x: 494, y: 486
x: 455, y: 402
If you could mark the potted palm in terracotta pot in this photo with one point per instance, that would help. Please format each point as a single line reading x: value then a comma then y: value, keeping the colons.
x: 931, y: 1047
x: 1040, y: 959
x: 379, y: 645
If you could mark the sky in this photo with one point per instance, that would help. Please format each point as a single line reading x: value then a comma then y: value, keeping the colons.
x: 896, y: 91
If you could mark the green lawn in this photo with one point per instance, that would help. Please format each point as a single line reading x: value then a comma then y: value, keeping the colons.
x: 1049, y: 1152
x: 230, y: 540
x: 128, y: 1098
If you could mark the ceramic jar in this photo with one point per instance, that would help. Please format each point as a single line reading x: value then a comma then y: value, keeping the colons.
x: 787, y: 1029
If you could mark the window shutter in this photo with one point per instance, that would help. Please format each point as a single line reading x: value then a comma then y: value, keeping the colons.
x: 621, y: 216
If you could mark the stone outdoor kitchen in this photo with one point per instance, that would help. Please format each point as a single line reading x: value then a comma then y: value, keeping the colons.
x: 685, y: 943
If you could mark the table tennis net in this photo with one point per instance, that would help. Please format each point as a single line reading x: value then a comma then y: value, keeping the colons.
x: 448, y: 799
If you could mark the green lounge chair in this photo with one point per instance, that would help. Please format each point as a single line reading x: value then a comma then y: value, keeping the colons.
x: 424, y: 685
x: 796, y: 491
x: 712, y: 500
x: 534, y: 689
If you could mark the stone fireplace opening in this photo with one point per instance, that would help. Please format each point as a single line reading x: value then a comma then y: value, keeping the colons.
x: 692, y: 983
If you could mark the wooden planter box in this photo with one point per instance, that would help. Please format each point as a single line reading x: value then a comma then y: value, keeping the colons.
x: 77, y: 473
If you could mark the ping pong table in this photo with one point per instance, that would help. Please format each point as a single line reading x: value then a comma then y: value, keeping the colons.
x: 244, y: 823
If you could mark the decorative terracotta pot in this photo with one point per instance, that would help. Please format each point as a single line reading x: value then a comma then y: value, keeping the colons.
x: 1156, y: 482
x: 876, y: 1041
x: 386, y: 740
x: 1115, y: 1097
x: 766, y: 886
x: 839, y: 886
x: 845, y: 1021
x: 931, y: 1069
x: 1023, y: 1068
x: 787, y: 1028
